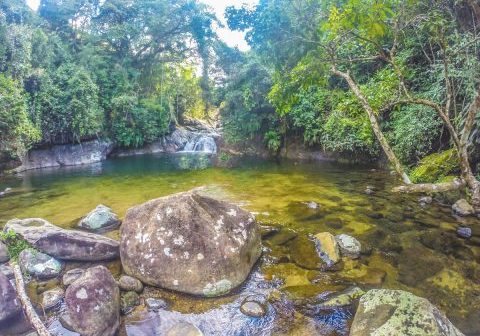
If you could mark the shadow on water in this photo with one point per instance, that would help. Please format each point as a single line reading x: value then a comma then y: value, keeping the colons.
x: 407, y: 245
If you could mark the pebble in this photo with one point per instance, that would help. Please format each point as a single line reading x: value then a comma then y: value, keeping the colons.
x: 254, y: 306
x: 156, y: 304
x: 464, y: 232
x: 52, y: 298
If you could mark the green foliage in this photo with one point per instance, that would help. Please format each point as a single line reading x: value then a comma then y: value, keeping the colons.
x: 15, y: 243
x: 273, y: 141
x: 17, y: 133
x: 435, y: 167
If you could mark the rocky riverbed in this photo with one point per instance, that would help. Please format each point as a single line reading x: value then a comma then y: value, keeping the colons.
x: 197, y: 245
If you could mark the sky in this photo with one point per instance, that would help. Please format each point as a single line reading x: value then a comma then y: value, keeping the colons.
x: 233, y: 39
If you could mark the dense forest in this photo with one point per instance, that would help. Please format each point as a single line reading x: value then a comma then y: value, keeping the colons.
x: 362, y: 79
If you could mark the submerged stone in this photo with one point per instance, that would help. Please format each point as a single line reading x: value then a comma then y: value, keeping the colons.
x: 128, y: 302
x: 282, y: 237
x: 189, y: 243
x: 396, y: 312
x: 254, y: 306
x: 156, y: 304
x: 101, y: 218
x: 464, y: 232
x: 303, y: 252
x: 39, y: 265
x: 184, y: 329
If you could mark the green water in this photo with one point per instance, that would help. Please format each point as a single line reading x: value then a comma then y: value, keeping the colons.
x: 413, y: 247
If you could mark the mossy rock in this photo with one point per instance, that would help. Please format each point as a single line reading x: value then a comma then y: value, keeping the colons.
x: 436, y: 167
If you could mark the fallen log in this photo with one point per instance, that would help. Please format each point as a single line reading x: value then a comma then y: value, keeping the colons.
x: 430, y: 188
x: 26, y: 304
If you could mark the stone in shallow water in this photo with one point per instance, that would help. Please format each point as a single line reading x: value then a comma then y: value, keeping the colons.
x: 463, y: 208
x: 396, y: 312
x: 4, y: 256
x: 254, y: 306
x: 349, y: 246
x: 464, y: 232
x: 70, y: 276
x: 156, y: 304
x: 39, y: 265
x: 52, y: 298
x: 327, y: 247
x: 101, y: 218
x: 189, y: 243
x: 128, y: 283
x: 184, y: 329
x: 425, y: 200
x: 63, y: 244
x: 128, y: 302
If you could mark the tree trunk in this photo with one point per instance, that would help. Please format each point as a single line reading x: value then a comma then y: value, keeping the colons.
x: 375, y: 125
x: 27, y: 306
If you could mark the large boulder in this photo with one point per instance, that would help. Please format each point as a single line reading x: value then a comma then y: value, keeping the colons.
x: 93, y: 304
x: 385, y: 312
x: 102, y: 218
x: 189, y: 243
x: 9, y: 303
x: 61, y: 243
x: 67, y: 155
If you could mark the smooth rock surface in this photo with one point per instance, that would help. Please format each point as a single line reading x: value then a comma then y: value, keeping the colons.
x: 349, y: 246
x: 254, y: 306
x: 385, y: 312
x: 327, y: 247
x: 4, y: 256
x: 463, y: 208
x: 189, y: 243
x: 64, y: 244
x: 67, y: 155
x: 101, y: 218
x: 72, y: 275
x: 52, y: 298
x: 128, y: 283
x: 184, y: 329
x: 39, y: 265
x: 9, y: 303
x: 93, y: 304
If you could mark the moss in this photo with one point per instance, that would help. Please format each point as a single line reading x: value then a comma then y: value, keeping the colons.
x: 435, y: 167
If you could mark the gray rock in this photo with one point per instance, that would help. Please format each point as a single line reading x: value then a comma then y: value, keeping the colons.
x: 156, y: 304
x: 128, y: 302
x: 254, y: 306
x: 184, y: 329
x: 4, y: 256
x: 464, y: 232
x: 9, y: 303
x: 349, y: 246
x: 101, y: 218
x: 7, y: 271
x: 67, y: 155
x: 189, y: 243
x: 93, y: 304
x: 425, y: 200
x: 396, y: 312
x: 463, y: 208
x: 39, y: 265
x: 72, y: 275
x: 128, y: 283
x: 64, y: 244
x: 52, y: 298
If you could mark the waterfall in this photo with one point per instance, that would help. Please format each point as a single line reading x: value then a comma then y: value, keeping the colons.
x: 201, y: 144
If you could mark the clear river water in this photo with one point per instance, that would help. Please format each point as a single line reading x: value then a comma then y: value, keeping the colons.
x: 407, y: 245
